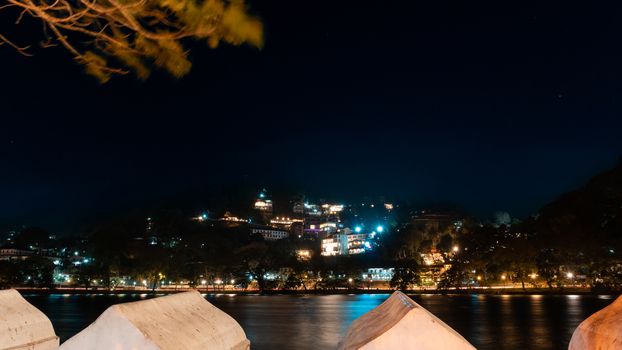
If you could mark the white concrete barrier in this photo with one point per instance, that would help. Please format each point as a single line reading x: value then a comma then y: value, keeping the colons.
x: 400, y: 323
x: 183, y: 321
x: 601, y: 331
x: 23, y: 326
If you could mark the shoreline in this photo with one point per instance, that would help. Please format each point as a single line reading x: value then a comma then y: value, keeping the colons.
x: 506, y: 291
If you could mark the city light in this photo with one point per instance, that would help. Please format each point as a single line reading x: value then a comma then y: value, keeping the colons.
x: 350, y: 280
x: 569, y: 275
x: 455, y: 249
x: 379, y: 229
x: 232, y: 282
x: 203, y: 282
x: 218, y: 281
x: 358, y: 229
x: 533, y: 276
x: 503, y: 277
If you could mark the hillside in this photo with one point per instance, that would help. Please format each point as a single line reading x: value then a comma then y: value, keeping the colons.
x: 590, y: 216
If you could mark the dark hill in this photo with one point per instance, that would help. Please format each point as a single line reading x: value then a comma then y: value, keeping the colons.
x: 590, y: 216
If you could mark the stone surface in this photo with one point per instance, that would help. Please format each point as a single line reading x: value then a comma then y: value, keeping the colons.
x: 601, y: 331
x: 400, y: 323
x: 183, y: 321
x: 23, y: 326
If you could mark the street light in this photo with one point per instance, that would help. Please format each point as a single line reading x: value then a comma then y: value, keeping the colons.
x: 455, y: 249
x: 379, y: 229
x: 569, y: 275
x: 358, y: 229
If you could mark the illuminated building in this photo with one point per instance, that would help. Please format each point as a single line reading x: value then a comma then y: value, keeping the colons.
x: 270, y: 234
x: 312, y: 209
x: 331, y: 246
x: 229, y: 217
x: 263, y: 204
x: 303, y: 254
x: 355, y: 243
x: 8, y: 254
x: 328, y: 227
x: 284, y: 222
x: 378, y: 274
x: 332, y: 208
x: 434, y: 266
x: 345, y: 244
x: 312, y: 226
x: 434, y: 257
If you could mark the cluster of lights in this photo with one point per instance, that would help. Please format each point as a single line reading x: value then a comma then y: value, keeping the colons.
x: 263, y: 204
x: 359, y: 229
x: 333, y: 208
x: 201, y: 217
x: 233, y: 218
x: 284, y: 220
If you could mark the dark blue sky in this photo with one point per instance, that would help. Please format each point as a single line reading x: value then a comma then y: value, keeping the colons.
x: 491, y: 105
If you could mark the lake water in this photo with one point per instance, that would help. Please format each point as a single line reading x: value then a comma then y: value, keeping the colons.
x: 319, y: 321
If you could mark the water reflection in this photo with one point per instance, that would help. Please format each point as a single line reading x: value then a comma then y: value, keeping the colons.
x: 318, y: 322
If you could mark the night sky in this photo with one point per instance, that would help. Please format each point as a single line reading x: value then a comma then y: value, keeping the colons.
x: 490, y: 105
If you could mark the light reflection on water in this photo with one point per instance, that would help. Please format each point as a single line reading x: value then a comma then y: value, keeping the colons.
x: 318, y: 322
